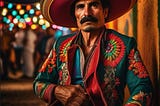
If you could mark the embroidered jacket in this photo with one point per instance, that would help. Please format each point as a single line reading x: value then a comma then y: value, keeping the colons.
x: 114, y: 62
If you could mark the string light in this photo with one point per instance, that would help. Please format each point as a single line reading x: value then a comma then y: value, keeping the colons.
x: 25, y: 16
x: 1, y: 3
x: 22, y: 15
x: 15, y: 20
x: 35, y: 19
x: 31, y: 11
x: 28, y: 7
x: 41, y: 22
x: 4, y: 11
x: 38, y: 6
x: 33, y: 26
x: 19, y: 6
x: 14, y: 12
x: 21, y: 12
x: 10, y: 5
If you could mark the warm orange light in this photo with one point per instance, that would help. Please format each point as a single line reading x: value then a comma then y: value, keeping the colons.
x: 10, y: 17
x: 38, y: 13
x: 19, y: 6
x: 33, y: 26
x: 28, y: 7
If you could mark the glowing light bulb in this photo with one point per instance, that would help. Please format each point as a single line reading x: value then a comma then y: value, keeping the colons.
x: 33, y: 26
x: 47, y: 24
x: 4, y: 11
x: 34, y: 19
x: 21, y: 12
x: 14, y: 12
x: 10, y: 5
x: 31, y: 11
x: 1, y: 3
x: 38, y: 6
x: 19, y: 6
x: 40, y: 16
x: 15, y: 20
x: 28, y: 7
x: 41, y: 22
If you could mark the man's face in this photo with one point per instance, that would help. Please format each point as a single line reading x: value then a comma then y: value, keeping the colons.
x: 90, y: 15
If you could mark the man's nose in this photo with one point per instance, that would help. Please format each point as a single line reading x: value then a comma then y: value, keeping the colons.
x: 87, y: 11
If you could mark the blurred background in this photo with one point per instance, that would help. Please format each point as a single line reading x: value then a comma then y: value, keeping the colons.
x: 26, y: 39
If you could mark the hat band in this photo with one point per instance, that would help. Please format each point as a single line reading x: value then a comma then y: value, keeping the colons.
x: 45, y: 8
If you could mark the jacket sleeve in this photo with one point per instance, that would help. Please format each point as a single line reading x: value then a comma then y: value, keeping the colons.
x: 47, y: 78
x: 138, y: 80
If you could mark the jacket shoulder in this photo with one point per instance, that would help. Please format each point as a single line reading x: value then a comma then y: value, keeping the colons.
x: 129, y: 42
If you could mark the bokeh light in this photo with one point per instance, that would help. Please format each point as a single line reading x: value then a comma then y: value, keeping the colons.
x: 19, y: 6
x: 31, y: 11
x: 10, y: 5
x: 38, y: 6
x: 1, y: 3
x: 4, y: 11
x: 14, y: 12
x: 28, y: 7
x: 33, y: 26
x: 21, y: 12
x: 35, y: 19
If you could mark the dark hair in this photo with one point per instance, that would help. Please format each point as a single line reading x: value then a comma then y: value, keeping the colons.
x: 105, y: 4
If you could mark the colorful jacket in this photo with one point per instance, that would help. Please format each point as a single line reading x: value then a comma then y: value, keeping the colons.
x: 114, y: 63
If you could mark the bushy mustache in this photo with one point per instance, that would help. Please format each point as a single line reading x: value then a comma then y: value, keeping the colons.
x: 88, y: 18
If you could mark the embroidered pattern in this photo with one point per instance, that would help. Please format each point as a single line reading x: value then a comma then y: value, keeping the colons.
x: 40, y: 87
x: 111, y: 81
x: 64, y: 75
x: 114, y: 50
x: 63, y: 49
x: 141, y: 96
x: 50, y: 62
x: 64, y: 78
x: 136, y: 64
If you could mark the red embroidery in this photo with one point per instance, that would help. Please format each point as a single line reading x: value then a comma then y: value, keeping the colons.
x: 114, y: 51
x: 63, y: 49
x: 136, y: 64
x: 50, y: 63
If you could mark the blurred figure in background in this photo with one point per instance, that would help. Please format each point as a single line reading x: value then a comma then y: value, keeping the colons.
x: 28, y: 53
x: 18, y: 48
x: 6, y: 53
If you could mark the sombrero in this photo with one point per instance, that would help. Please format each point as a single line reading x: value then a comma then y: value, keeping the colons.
x: 58, y: 11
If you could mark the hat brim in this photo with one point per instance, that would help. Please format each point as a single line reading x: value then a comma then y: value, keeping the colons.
x: 58, y: 11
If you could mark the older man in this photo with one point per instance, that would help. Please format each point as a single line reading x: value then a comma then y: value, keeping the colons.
x: 93, y: 66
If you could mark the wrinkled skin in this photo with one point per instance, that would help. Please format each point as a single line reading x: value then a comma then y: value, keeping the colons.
x: 71, y: 95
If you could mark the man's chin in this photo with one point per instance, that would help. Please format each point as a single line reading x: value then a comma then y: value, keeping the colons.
x: 89, y: 29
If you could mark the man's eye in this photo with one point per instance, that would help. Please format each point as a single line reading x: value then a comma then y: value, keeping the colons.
x: 79, y: 6
x: 95, y: 4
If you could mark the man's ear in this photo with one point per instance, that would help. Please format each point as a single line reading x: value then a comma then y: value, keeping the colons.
x: 105, y: 12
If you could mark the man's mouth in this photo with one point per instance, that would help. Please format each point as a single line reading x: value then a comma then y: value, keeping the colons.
x: 88, y: 19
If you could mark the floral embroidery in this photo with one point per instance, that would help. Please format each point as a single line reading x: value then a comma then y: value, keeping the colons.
x: 111, y: 81
x: 50, y: 62
x: 63, y: 49
x: 114, y: 51
x: 136, y: 64
x: 64, y: 75
x: 142, y: 97
x: 40, y: 86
